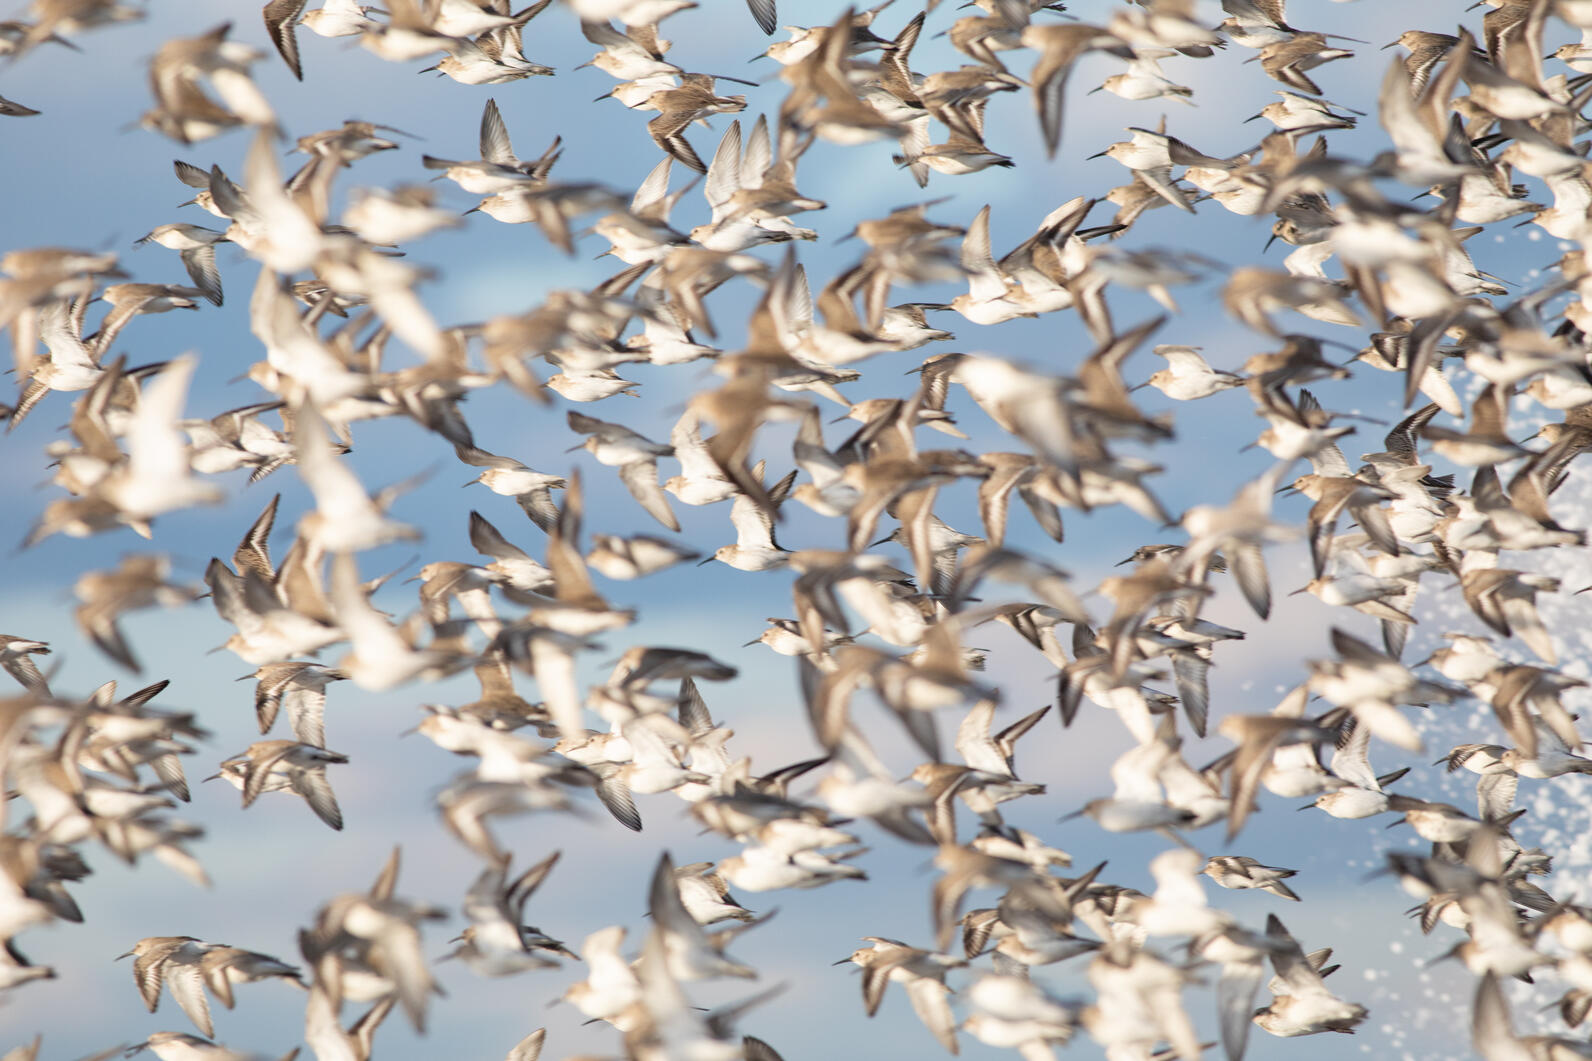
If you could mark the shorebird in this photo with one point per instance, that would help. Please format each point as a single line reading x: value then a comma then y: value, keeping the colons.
x: 140, y: 581
x: 499, y: 169
x: 334, y: 18
x: 186, y: 966
x: 16, y: 656
x: 921, y: 972
x: 1287, y: 60
x: 1307, y: 1006
x: 689, y: 951
x: 611, y: 985
x: 755, y: 548
x: 301, y: 688
x: 183, y: 110
x: 634, y: 557
x: 197, y: 247
x: 1187, y: 376
x: 636, y: 458
x: 990, y: 298
x: 497, y: 942
x: 509, y: 562
x: 1241, y: 871
x: 277, y: 765
x: 510, y: 478
x: 678, y: 107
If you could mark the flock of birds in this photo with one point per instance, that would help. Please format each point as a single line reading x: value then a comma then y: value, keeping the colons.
x: 1464, y: 114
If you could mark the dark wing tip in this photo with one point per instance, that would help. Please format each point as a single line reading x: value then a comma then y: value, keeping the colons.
x: 763, y: 11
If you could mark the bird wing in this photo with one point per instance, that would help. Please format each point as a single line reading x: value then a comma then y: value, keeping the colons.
x: 281, y: 19
x: 641, y: 479
x: 1235, y: 1003
x: 186, y: 984
x: 614, y: 793
x: 156, y: 448
x: 763, y: 11
x: 489, y: 542
x: 528, y: 1048
x: 306, y: 713
x: 984, y: 281
x: 754, y: 526
x: 495, y: 144
x: 724, y: 173
x: 317, y: 792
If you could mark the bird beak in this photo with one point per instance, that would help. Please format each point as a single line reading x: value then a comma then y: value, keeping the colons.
x: 843, y: 961
x: 1097, y: 154
x: 1385, y: 47
x: 759, y: 641
x: 709, y: 560
x: 1079, y: 813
